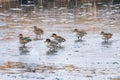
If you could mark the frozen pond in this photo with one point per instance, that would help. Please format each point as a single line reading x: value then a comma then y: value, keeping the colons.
x: 90, y: 59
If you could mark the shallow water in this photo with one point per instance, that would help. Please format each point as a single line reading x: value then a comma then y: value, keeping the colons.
x: 90, y: 59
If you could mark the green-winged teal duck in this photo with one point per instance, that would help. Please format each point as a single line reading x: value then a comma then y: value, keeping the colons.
x: 79, y: 33
x: 24, y: 40
x: 57, y: 38
x: 52, y: 45
x: 106, y: 36
x: 39, y: 32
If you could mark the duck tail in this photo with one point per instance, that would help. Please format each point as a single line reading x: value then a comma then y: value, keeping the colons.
x: 29, y: 39
x: 64, y: 40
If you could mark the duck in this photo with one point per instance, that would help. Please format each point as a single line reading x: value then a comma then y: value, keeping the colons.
x: 24, y: 40
x: 79, y: 33
x: 52, y: 45
x: 106, y: 36
x: 58, y: 39
x: 39, y: 32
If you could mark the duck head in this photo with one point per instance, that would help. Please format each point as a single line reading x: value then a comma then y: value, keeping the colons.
x: 102, y: 32
x: 75, y: 30
x: 35, y: 27
x: 53, y: 35
x: 47, y: 41
x: 20, y: 35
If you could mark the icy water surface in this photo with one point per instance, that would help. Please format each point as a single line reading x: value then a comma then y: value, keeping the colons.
x: 90, y: 59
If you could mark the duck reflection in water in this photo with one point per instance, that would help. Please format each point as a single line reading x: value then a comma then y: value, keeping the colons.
x: 106, y: 44
x: 24, y: 50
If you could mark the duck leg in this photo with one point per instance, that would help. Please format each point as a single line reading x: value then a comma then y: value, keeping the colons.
x: 36, y: 36
x: 80, y: 38
x: 106, y: 40
x: 40, y: 37
x: 23, y: 45
x: 51, y: 49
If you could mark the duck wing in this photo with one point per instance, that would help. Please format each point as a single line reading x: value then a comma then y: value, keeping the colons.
x: 27, y: 39
x: 40, y: 30
x: 108, y: 35
x: 60, y: 39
